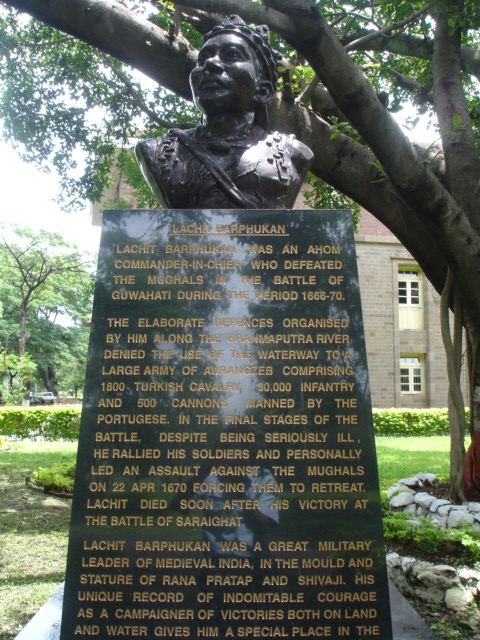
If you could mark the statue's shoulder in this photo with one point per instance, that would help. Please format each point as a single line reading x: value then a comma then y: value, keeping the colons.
x: 297, y: 151
x: 163, y: 148
x: 295, y: 148
x: 157, y: 158
x: 286, y: 151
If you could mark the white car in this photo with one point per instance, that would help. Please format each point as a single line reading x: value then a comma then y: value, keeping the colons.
x: 46, y: 398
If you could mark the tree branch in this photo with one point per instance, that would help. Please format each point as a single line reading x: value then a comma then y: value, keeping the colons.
x: 399, y: 43
x: 255, y: 13
x: 387, y: 30
x: 412, y: 46
x: 349, y: 167
x: 410, y: 192
x: 417, y: 185
x: 137, y: 97
x: 114, y: 29
x: 306, y: 95
x: 458, y: 139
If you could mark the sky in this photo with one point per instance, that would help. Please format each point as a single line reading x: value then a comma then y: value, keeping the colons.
x: 28, y: 199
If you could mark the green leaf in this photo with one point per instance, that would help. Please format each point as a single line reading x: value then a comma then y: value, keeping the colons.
x: 457, y: 120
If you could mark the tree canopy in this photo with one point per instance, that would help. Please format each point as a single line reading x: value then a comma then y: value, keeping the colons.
x: 70, y: 82
x: 60, y: 95
x: 46, y: 287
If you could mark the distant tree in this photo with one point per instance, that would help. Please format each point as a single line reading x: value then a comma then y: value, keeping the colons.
x: 19, y: 372
x: 60, y: 352
x: 46, y: 286
x: 71, y: 369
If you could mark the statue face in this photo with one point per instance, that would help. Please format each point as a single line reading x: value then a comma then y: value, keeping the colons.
x: 227, y: 78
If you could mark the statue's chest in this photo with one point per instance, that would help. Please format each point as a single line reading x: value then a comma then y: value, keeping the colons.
x: 267, y: 167
x: 262, y: 171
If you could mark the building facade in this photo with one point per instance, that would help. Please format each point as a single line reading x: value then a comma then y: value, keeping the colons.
x: 401, y: 311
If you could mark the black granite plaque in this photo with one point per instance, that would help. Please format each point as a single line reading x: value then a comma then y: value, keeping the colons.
x: 226, y: 479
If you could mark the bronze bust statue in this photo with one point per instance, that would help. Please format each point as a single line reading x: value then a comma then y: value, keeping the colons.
x: 230, y: 161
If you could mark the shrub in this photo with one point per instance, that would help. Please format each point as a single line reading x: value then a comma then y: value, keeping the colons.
x: 63, y: 424
x: 426, y: 539
x: 411, y: 422
x: 47, y: 424
x: 58, y: 478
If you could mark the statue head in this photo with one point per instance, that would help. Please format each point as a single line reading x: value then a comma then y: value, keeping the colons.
x: 238, y: 60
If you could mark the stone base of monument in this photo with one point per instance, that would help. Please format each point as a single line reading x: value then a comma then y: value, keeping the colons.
x: 406, y: 623
x: 45, y: 625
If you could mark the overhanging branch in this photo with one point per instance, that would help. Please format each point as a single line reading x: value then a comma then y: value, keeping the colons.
x: 112, y: 28
x: 387, y: 30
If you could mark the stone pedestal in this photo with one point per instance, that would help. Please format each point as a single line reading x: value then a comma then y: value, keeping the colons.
x: 226, y: 481
x: 407, y: 624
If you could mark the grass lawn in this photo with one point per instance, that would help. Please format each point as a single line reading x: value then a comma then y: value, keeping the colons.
x: 34, y: 527
x: 404, y: 457
x: 33, y: 533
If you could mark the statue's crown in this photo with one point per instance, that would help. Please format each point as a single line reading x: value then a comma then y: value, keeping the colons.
x: 259, y: 39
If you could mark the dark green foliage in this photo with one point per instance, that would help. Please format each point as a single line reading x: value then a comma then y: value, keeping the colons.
x: 57, y: 478
x: 411, y: 422
x: 46, y: 288
x: 425, y: 539
x: 48, y: 424
x: 130, y: 171
x: 53, y: 424
x: 70, y: 107
x: 320, y: 195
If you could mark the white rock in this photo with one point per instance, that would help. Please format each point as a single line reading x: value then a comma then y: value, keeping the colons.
x: 393, y: 559
x: 401, y: 500
x: 427, y: 478
x: 420, y: 566
x: 467, y: 574
x: 473, y: 507
x: 396, y: 573
x: 438, y: 575
x: 445, y: 509
x: 430, y: 594
x: 407, y: 562
x: 401, y: 582
x: 55, y: 503
x: 410, y: 482
x: 457, y: 516
x: 458, y: 598
x: 433, y: 580
x: 439, y: 521
x: 397, y: 488
x: 411, y: 508
x: 436, y: 504
x: 424, y: 499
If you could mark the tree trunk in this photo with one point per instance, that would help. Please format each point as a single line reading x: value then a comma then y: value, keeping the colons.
x: 22, y: 340
x: 49, y: 376
x: 472, y: 460
x: 462, y: 179
x: 456, y: 405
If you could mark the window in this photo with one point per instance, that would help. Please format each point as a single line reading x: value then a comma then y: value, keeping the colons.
x: 411, y: 374
x: 410, y: 300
